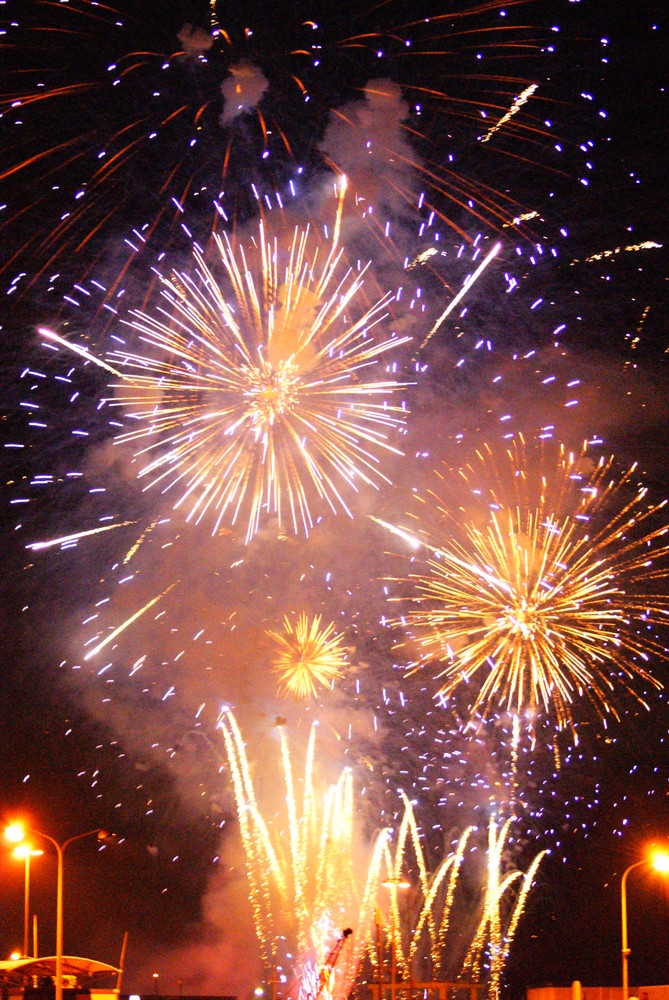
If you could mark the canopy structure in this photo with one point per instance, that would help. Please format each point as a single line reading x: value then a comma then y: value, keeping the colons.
x: 82, y: 969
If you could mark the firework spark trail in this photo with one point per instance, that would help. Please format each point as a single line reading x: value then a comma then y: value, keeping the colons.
x: 513, y: 110
x: 463, y: 291
x: 630, y: 248
x: 67, y: 539
x: 77, y: 349
x: 128, y: 622
x: 307, y: 656
x: 545, y: 598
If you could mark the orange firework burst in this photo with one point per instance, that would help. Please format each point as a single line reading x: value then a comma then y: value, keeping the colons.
x: 548, y: 593
x: 307, y: 656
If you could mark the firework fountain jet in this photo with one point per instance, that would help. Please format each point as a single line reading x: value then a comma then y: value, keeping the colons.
x: 293, y: 891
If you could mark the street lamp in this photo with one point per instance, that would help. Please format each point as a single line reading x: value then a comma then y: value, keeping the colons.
x: 394, y: 884
x: 659, y: 860
x: 16, y: 833
x: 26, y: 852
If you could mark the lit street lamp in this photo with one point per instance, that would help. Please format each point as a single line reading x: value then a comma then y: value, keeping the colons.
x: 660, y: 862
x: 16, y: 833
x: 26, y: 852
x: 394, y: 884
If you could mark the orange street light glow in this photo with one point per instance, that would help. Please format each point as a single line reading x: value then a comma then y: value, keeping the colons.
x: 26, y: 851
x: 660, y: 861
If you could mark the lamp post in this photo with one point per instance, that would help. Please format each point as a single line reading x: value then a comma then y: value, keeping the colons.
x: 379, y: 946
x: 394, y: 884
x: 26, y: 852
x: 660, y: 862
x: 16, y: 833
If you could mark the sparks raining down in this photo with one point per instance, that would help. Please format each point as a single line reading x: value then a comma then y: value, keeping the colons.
x: 304, y: 872
x: 552, y: 593
x: 307, y: 656
x: 513, y: 110
x: 265, y: 403
x: 179, y: 107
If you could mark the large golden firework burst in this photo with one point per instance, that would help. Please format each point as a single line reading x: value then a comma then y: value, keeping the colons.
x: 307, y: 656
x: 540, y: 589
x: 264, y: 391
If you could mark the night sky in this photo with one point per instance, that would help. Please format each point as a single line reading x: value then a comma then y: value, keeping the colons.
x: 141, y: 755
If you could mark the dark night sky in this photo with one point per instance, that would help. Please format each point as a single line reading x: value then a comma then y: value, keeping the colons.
x: 71, y: 769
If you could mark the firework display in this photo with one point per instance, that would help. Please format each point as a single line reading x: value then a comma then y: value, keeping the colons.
x: 325, y: 402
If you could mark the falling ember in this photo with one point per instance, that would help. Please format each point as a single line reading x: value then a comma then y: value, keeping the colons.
x: 546, y: 593
x: 523, y: 217
x: 307, y: 656
x: 259, y: 396
x: 630, y: 248
x: 422, y: 258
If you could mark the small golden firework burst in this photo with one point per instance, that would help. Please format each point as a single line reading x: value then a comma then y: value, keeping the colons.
x: 307, y: 655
